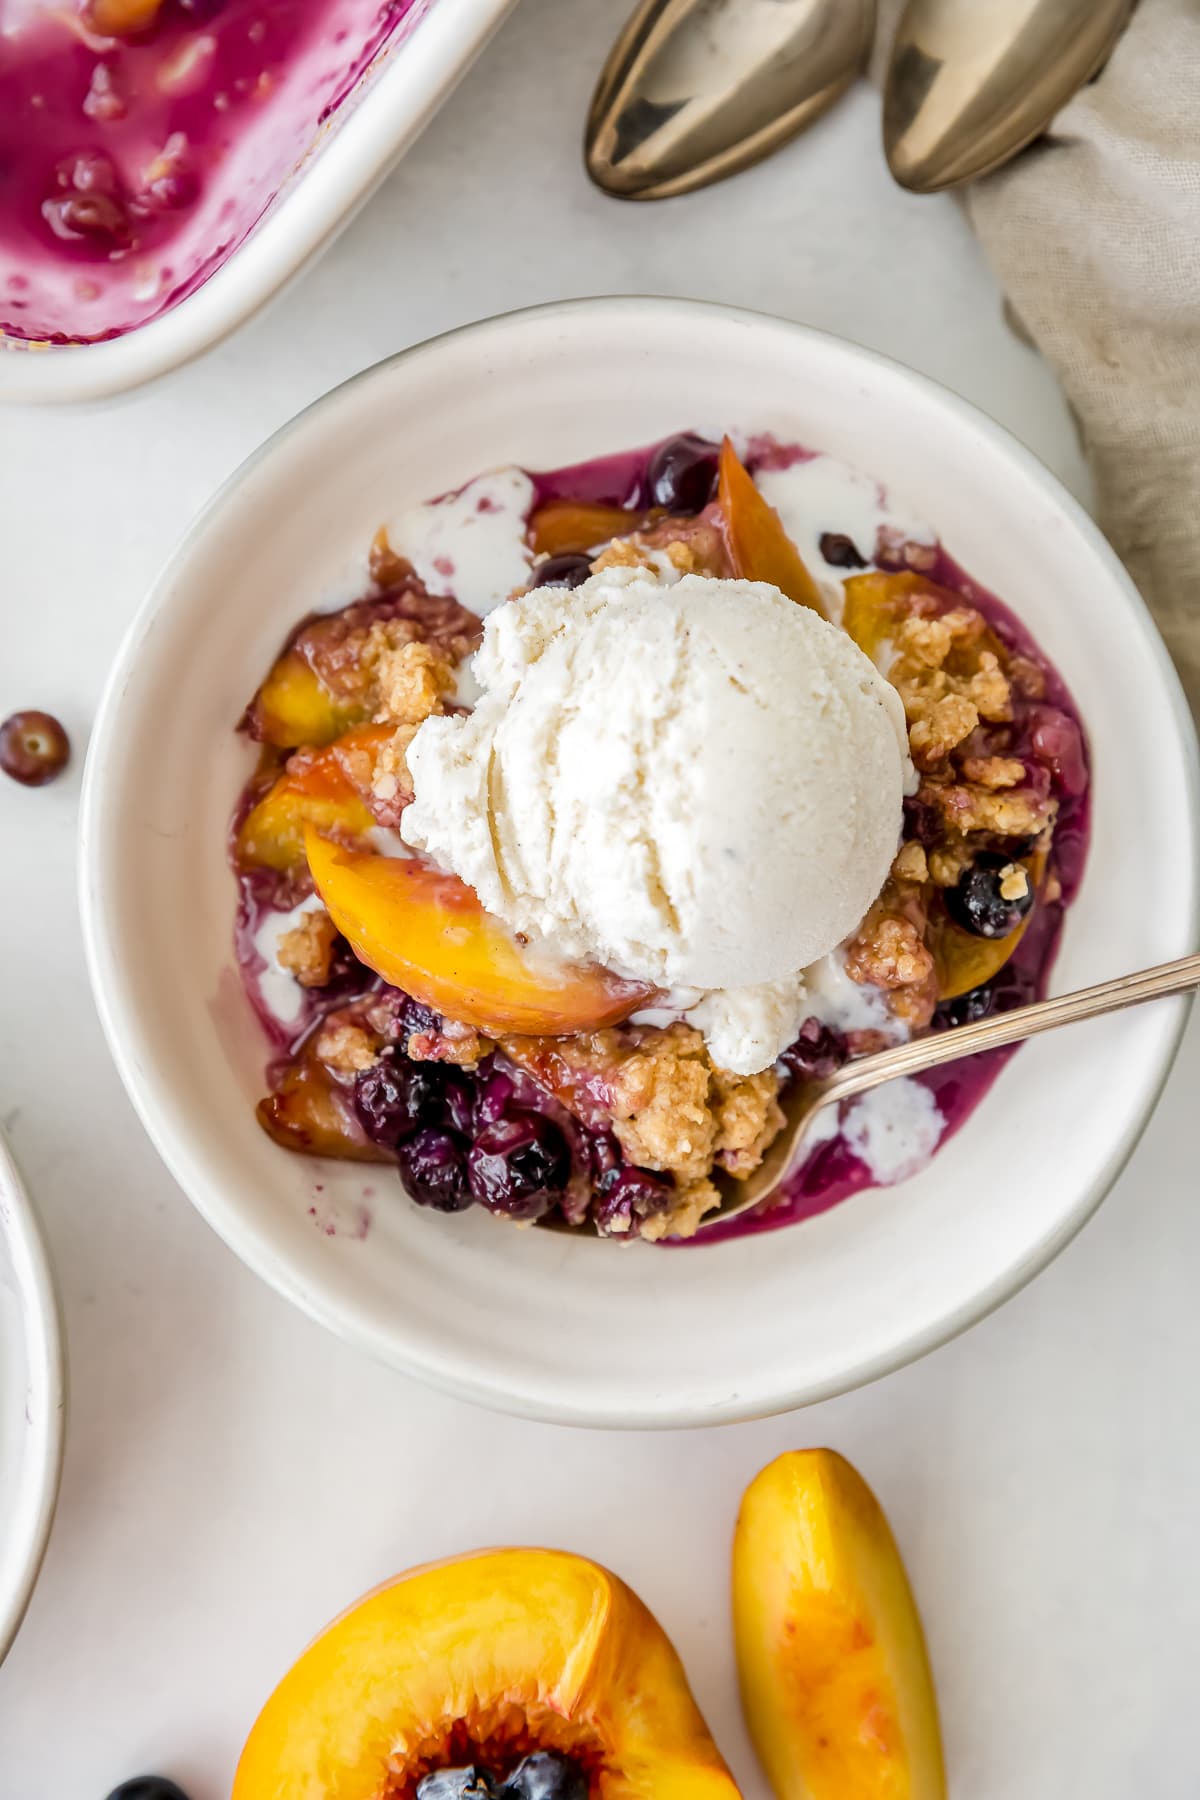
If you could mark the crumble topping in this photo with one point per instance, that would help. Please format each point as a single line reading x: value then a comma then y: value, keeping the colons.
x: 635, y: 552
x: 993, y: 771
x: 391, y: 778
x: 660, y: 1101
x: 306, y: 951
x: 911, y: 863
x: 410, y: 676
x: 676, y: 1112
x: 748, y: 1116
x: 1014, y: 882
x: 450, y: 1043
x: 682, y: 1218
x: 346, y: 1049
x: 1015, y: 812
x: 889, y: 952
x: 948, y: 862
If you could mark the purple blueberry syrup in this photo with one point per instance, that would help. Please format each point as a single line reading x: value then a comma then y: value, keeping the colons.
x: 495, y: 1136
x: 132, y: 166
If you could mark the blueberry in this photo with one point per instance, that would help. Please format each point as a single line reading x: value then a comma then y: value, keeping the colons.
x: 433, y: 1169
x: 624, y: 1197
x: 519, y: 1166
x: 566, y: 571
x: 976, y: 903
x: 33, y: 748
x: 395, y: 1096
x: 964, y: 1009
x: 604, y: 1156
x: 458, y: 1101
x: 458, y: 1784
x: 493, y: 1097
x: 682, y: 475
x: 922, y: 822
x: 841, y: 551
x: 817, y: 1051
x: 546, y: 1775
x: 148, y: 1787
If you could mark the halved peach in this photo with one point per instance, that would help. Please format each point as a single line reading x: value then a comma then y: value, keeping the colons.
x: 327, y: 788
x: 759, y: 547
x: 563, y: 526
x: 834, y: 1675
x: 426, y: 932
x: 484, y: 1659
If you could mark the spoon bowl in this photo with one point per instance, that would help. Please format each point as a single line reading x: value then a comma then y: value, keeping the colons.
x: 695, y: 90
x: 971, y: 82
x: 806, y: 1099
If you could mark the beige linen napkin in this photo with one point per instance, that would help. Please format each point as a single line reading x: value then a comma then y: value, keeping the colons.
x: 1094, y: 234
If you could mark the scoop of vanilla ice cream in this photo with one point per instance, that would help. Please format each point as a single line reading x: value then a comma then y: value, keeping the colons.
x: 697, y: 785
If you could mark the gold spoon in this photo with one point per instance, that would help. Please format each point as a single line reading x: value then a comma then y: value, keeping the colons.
x: 694, y: 90
x: 971, y: 82
x: 806, y: 1098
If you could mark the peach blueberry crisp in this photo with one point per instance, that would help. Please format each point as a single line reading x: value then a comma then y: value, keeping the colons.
x: 425, y: 1019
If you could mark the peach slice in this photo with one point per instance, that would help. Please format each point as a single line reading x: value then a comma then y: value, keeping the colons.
x: 327, y: 788
x: 309, y: 1112
x: 759, y: 547
x: 563, y: 526
x: 874, y: 605
x: 963, y: 961
x: 485, y: 1658
x: 293, y: 706
x: 426, y: 932
x: 834, y: 1675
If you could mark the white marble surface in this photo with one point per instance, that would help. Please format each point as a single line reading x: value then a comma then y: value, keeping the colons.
x: 233, y: 1475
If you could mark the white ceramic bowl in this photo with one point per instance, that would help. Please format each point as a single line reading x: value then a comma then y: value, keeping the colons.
x: 32, y: 1400
x: 542, y: 1323
x: 393, y: 102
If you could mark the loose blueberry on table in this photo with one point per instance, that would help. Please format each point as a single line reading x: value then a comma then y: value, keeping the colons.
x: 421, y: 1029
x: 34, y: 748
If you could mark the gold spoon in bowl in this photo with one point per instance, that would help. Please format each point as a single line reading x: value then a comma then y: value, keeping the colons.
x: 806, y: 1099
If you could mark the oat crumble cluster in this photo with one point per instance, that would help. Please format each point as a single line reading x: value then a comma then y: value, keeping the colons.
x: 627, y: 1126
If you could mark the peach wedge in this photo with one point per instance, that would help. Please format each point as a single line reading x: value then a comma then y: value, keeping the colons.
x: 835, y: 1680
x: 426, y: 932
x: 484, y: 1659
x: 759, y: 547
x: 328, y: 788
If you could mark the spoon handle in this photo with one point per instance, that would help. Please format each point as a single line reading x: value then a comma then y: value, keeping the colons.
x: 1010, y: 1028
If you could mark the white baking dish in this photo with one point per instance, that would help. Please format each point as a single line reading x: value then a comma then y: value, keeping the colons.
x: 374, y: 125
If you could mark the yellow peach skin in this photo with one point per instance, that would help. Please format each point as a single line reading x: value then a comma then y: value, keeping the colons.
x: 426, y: 932
x: 759, y: 547
x: 293, y: 706
x: 326, y: 788
x: 489, y: 1655
x: 834, y: 1675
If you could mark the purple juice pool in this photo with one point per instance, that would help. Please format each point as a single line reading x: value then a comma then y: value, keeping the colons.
x: 132, y: 166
